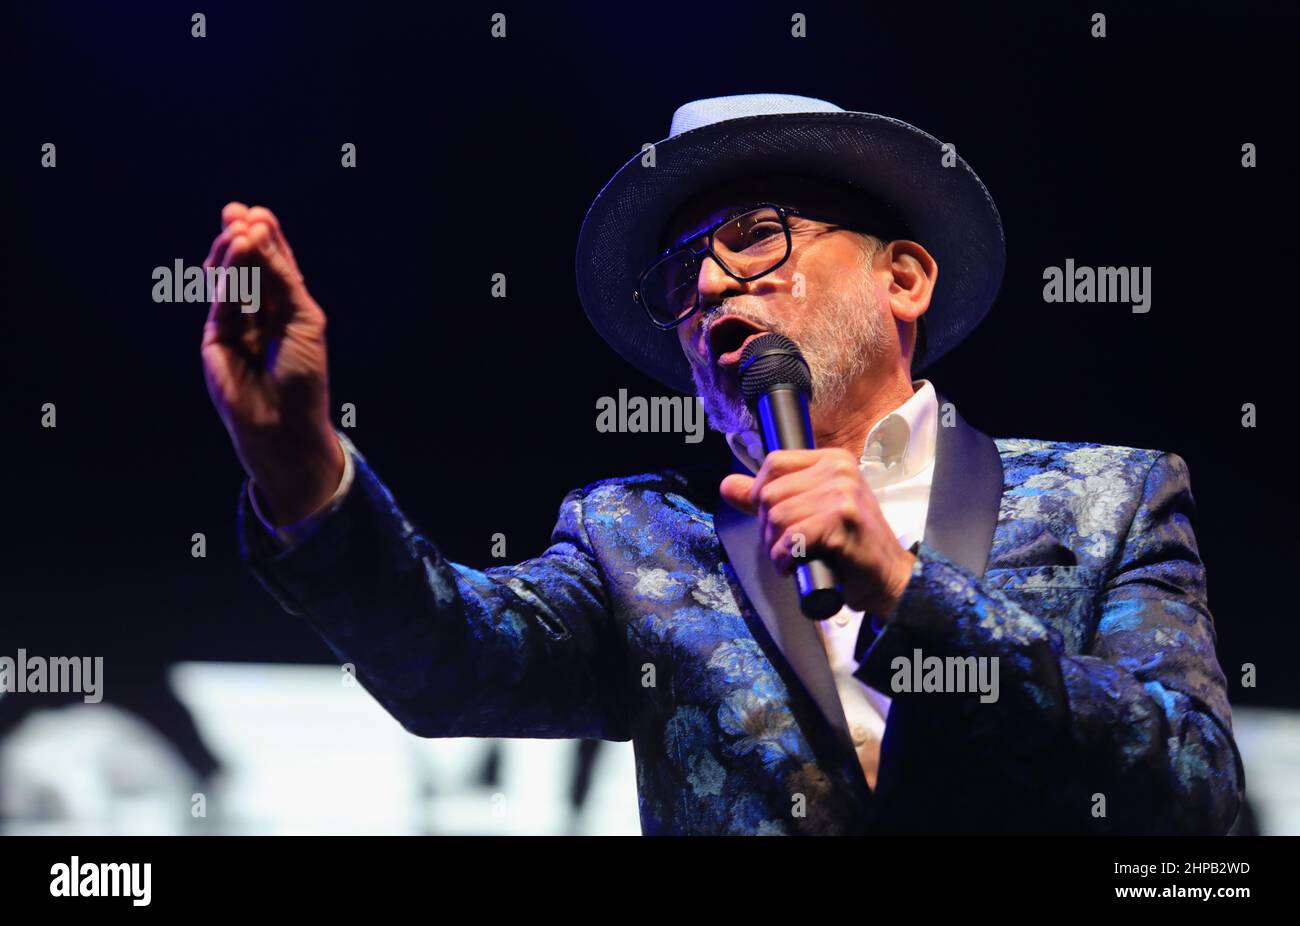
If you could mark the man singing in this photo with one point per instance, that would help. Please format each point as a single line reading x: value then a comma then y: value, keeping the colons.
x: 1067, y: 575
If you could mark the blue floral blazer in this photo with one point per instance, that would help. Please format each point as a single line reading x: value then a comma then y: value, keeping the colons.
x: 1074, y: 564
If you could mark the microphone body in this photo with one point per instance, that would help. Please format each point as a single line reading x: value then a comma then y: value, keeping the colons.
x: 776, y: 384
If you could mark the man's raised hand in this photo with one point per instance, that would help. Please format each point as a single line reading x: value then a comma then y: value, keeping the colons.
x: 267, y: 371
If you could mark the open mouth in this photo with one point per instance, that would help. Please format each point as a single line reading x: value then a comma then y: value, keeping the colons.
x: 728, y: 337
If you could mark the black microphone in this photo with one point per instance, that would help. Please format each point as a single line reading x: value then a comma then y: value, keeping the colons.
x: 777, y: 386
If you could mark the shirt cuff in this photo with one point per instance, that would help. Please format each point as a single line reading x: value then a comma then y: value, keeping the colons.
x: 293, y: 534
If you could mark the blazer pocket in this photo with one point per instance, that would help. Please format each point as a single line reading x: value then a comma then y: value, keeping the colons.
x: 1043, y: 578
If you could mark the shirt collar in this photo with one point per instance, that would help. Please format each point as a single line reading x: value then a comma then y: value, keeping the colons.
x: 898, y: 446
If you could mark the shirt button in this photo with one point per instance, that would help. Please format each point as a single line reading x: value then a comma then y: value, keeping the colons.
x: 859, y: 734
x: 842, y: 619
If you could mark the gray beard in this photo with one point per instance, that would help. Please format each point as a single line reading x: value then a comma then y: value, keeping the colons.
x: 850, y: 336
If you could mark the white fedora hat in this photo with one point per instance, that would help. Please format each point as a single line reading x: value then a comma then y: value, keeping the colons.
x: 947, y: 209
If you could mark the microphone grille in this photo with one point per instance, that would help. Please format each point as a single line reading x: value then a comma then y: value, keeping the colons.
x: 770, y: 361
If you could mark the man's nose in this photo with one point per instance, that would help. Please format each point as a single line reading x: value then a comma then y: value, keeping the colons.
x: 715, y: 284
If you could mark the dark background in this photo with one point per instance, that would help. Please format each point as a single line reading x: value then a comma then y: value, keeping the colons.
x: 1117, y: 151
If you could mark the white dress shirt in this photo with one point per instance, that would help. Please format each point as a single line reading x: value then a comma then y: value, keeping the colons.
x: 898, y: 463
x: 290, y: 534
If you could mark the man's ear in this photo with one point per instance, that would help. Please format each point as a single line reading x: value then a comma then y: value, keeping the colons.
x: 911, y: 274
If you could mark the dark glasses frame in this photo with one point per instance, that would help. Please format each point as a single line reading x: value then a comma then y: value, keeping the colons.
x: 783, y: 212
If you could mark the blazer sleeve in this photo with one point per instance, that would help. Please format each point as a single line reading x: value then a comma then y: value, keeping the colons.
x: 526, y: 650
x: 1133, y: 735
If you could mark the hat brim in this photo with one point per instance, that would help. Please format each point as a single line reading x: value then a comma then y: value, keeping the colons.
x: 947, y: 209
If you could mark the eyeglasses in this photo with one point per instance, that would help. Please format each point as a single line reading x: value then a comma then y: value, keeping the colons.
x: 747, y: 245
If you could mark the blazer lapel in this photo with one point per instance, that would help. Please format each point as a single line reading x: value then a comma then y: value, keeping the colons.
x: 965, y: 492
x: 773, y: 597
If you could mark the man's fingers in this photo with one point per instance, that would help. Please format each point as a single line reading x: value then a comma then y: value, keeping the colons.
x: 259, y: 246
x: 818, y: 465
x: 226, y: 323
x: 251, y: 241
x: 237, y: 219
x: 777, y: 490
x: 792, y: 510
x: 735, y: 489
x: 749, y: 494
x: 231, y: 211
x: 263, y: 214
x: 819, y: 535
x: 780, y: 462
x: 239, y: 248
x: 273, y: 256
x: 217, y: 253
